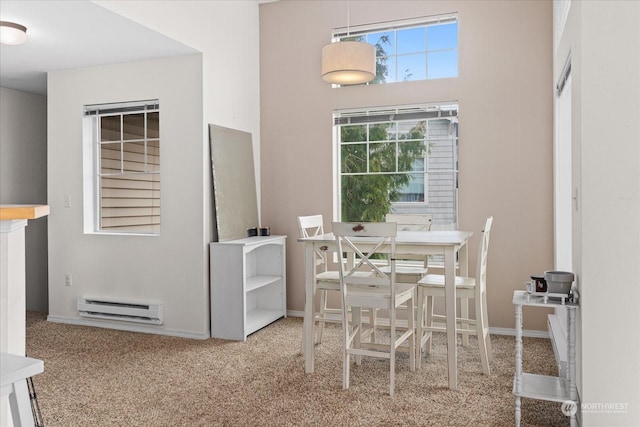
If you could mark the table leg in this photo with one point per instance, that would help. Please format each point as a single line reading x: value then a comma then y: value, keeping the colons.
x: 463, y: 262
x: 450, y: 304
x: 308, y: 308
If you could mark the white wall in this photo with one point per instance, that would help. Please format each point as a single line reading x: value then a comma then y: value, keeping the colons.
x: 23, y: 179
x: 604, y: 40
x: 167, y: 268
x: 226, y: 32
x: 223, y: 89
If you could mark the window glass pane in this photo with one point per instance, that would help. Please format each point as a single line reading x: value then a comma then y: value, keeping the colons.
x: 442, y: 64
x: 153, y: 156
x: 133, y: 153
x: 354, y: 158
x: 411, y: 40
x: 384, y: 41
x: 411, y: 156
x: 362, y: 196
x: 110, y: 158
x: 413, y: 191
x: 412, y: 67
x: 133, y: 126
x: 386, y: 70
x: 382, y: 157
x: 412, y: 129
x: 153, y: 125
x: 443, y: 36
x: 355, y: 133
x: 110, y: 128
x: 381, y: 131
x: 130, y: 202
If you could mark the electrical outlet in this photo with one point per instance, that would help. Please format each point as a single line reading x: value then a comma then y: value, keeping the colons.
x: 67, y: 279
x: 67, y: 201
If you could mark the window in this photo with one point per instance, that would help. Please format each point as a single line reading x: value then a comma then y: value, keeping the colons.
x: 397, y: 160
x: 125, y: 147
x: 417, y: 49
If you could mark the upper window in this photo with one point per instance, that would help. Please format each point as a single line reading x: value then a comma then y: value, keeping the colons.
x: 398, y: 160
x: 417, y: 49
x: 126, y: 152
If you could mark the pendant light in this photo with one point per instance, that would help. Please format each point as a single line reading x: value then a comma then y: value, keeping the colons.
x: 12, y: 33
x: 348, y: 62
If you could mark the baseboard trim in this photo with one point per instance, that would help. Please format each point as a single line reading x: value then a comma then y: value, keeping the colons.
x: 525, y: 333
x: 126, y: 327
x: 492, y: 330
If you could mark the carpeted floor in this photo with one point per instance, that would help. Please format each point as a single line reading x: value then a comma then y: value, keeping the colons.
x: 103, y: 377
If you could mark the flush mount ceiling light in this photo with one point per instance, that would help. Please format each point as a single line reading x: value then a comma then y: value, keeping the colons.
x: 348, y: 62
x: 12, y: 33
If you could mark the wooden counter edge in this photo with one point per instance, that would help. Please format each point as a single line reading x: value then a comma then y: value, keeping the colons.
x: 9, y: 212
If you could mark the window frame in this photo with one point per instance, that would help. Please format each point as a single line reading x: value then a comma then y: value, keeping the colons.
x: 357, y: 32
x: 426, y: 111
x: 93, y: 170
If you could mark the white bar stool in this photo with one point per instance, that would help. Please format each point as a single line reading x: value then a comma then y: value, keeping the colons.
x: 14, y: 371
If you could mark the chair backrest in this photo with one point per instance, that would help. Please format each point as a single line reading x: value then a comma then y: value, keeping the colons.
x: 483, y: 252
x: 309, y: 226
x: 366, y: 240
x: 411, y: 222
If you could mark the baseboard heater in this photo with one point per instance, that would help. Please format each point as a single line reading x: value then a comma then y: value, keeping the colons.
x: 111, y: 309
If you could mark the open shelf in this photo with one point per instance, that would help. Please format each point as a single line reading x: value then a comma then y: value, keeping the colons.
x: 542, y: 387
x: 257, y: 282
x: 248, y: 285
x: 259, y: 318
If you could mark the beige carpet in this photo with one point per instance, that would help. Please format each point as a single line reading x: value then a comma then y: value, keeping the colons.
x: 102, y: 377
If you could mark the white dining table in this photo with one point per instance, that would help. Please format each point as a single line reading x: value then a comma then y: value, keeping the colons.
x: 447, y: 243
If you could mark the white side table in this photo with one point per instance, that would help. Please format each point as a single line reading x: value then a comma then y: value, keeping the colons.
x: 14, y: 371
x: 545, y: 387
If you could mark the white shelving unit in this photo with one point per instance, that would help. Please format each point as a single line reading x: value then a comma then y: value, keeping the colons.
x: 248, y: 285
x: 545, y: 387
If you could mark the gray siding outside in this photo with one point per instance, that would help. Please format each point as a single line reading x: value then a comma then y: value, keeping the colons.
x: 441, y: 193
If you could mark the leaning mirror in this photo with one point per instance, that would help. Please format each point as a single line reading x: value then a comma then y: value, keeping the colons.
x: 234, y: 185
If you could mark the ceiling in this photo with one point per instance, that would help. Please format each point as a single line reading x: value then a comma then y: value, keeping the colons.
x: 72, y: 34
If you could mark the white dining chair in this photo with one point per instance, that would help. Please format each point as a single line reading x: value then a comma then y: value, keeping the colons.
x: 432, y: 285
x: 326, y: 280
x: 407, y: 271
x: 409, y: 268
x: 377, y: 291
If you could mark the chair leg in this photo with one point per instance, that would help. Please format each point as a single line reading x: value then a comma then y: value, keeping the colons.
x: 392, y: 351
x: 412, y: 338
x: 483, y: 336
x: 485, y: 321
x: 356, y: 318
x: 419, y: 327
x: 372, y: 323
x: 323, y: 314
x: 464, y: 313
x: 429, y: 322
x: 345, y: 349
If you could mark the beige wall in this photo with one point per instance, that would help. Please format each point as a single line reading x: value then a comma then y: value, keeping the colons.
x: 504, y: 90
